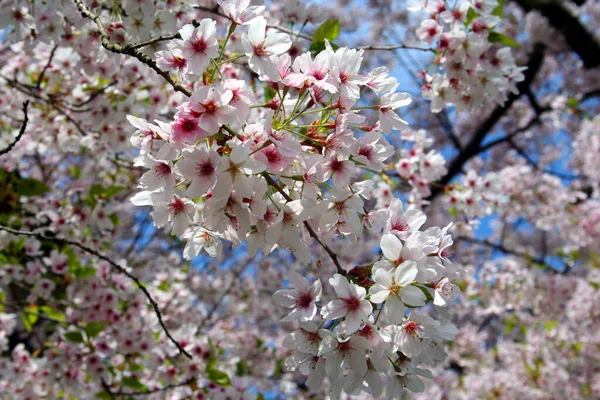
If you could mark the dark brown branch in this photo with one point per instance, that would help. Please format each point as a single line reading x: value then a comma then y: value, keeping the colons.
x: 119, y: 268
x: 41, y: 77
x: 506, y: 250
x: 577, y: 36
x: 21, y: 131
x: 128, y: 49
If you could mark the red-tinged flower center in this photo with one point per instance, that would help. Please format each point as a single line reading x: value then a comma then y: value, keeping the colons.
x: 199, y: 45
x: 176, y: 206
x: 399, y: 226
x: 272, y: 155
x: 162, y: 169
x: 18, y: 16
x: 344, y: 347
x: 339, y: 207
x: 318, y: 75
x: 352, y: 303
x: 432, y: 31
x: 205, y: 169
x: 189, y: 125
x: 366, y: 332
x: 209, y: 107
x: 412, y: 328
x: 344, y: 77
x: 446, y: 252
x: 336, y: 165
x: 179, y: 62
x: 260, y: 50
x: 304, y: 300
x: 366, y: 152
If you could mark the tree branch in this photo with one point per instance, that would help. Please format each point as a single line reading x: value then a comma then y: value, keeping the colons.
x: 21, y: 131
x: 473, y: 147
x: 128, y: 49
x: 121, y: 269
x: 41, y: 77
x: 577, y: 36
x: 309, y: 228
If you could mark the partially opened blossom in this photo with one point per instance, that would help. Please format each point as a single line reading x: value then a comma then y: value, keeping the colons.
x: 240, y: 11
x: 388, y: 118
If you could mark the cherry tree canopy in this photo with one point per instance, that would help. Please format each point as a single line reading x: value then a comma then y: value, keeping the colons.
x: 236, y: 200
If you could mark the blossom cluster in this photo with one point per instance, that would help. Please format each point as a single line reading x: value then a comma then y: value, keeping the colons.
x: 371, y: 334
x: 273, y: 166
x: 470, y: 70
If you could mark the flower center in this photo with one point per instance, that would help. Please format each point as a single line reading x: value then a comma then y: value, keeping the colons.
x: 352, y: 304
x: 304, y: 300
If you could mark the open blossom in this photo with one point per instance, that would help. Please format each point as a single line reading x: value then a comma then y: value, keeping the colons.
x: 160, y: 173
x: 211, y: 103
x: 200, y: 167
x: 403, y: 223
x: 395, y: 289
x: 261, y: 48
x: 199, y: 45
x: 301, y: 298
x: 352, y: 304
x: 429, y: 31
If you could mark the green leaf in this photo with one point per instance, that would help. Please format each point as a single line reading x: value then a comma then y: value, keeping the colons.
x: 111, y: 191
x: 242, y: 368
x: 136, y: 367
x: 30, y: 317
x: 75, y: 171
x: 595, y: 285
x: 471, y: 15
x: 328, y: 30
x: 134, y: 384
x: 549, y: 325
x: 114, y: 218
x: 53, y: 313
x: 104, y: 395
x: 500, y: 38
x: 74, y: 336
x: 84, y: 272
x: 499, y: 10
x: 93, y: 329
x: 269, y: 94
x: 31, y: 187
x: 260, y: 396
x: 216, y: 376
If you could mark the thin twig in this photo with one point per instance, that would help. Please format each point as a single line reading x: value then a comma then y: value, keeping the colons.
x: 91, y: 251
x: 41, y: 77
x: 395, y: 47
x: 128, y: 49
x: 309, y: 228
x: 21, y: 131
x: 163, y: 389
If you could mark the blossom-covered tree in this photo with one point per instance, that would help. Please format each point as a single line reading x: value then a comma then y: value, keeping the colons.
x: 222, y: 200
